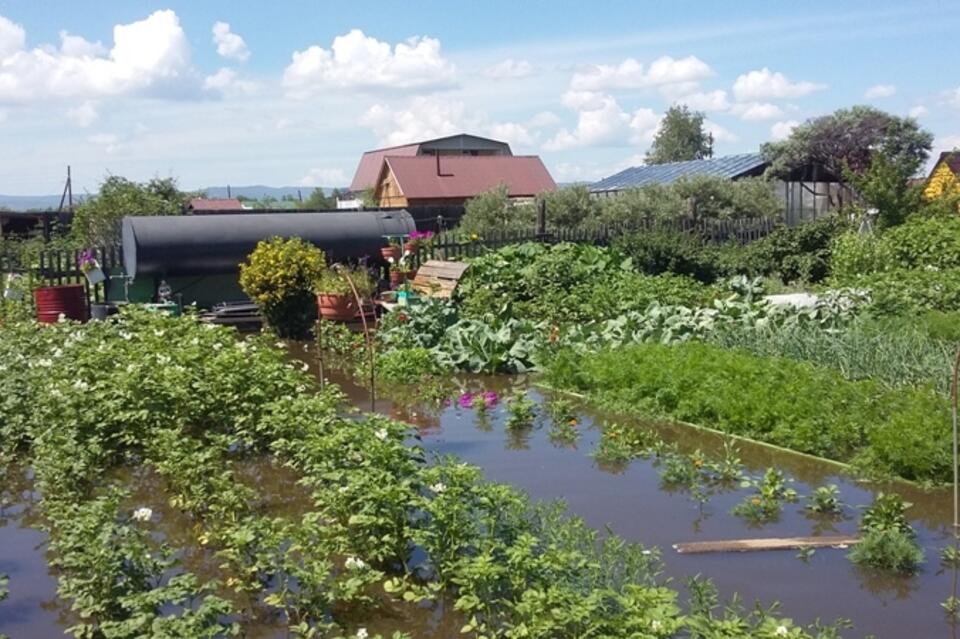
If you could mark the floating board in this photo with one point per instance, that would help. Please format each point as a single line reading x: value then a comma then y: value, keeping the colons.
x: 754, y: 545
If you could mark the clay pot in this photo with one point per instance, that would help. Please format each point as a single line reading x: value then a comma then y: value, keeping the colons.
x: 337, y: 308
x: 390, y: 252
x: 399, y: 277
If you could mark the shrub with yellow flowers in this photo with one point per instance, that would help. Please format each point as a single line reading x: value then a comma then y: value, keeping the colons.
x: 280, y: 276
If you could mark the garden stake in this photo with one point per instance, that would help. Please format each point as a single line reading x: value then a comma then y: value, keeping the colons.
x: 366, y: 334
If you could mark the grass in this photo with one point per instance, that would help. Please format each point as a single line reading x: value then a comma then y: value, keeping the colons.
x: 780, y: 401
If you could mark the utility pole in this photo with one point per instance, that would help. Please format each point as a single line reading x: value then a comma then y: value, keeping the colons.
x: 69, y: 190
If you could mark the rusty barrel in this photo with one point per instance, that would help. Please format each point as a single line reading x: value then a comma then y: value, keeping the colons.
x: 69, y: 300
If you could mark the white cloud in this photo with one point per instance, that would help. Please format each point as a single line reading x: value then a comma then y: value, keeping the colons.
x: 424, y: 118
x: 631, y: 74
x: 229, y: 44
x: 544, y: 119
x: 711, y: 101
x: 228, y: 82
x: 514, y: 133
x: 918, y: 111
x: 3, y: 117
x: 601, y: 121
x: 146, y: 54
x: 324, y: 177
x: 12, y: 37
x: 782, y: 130
x: 765, y: 84
x: 509, y: 69
x: 720, y: 134
x: 110, y: 142
x: 83, y: 115
x: 880, y: 91
x: 757, y: 111
x: 358, y: 61
x: 78, y: 47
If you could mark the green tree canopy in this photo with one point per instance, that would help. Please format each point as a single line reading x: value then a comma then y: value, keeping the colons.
x: 97, y: 221
x: 681, y: 137
x: 847, y: 139
x: 318, y: 199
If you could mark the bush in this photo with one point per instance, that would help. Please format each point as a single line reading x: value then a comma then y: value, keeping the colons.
x: 900, y: 292
x: 890, y: 550
x: 780, y: 401
x: 566, y: 282
x: 406, y: 365
x: 921, y: 243
x: 494, y: 210
x: 794, y: 253
x: 668, y: 251
x: 280, y: 276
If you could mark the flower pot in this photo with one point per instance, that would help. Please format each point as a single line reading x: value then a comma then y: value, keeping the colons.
x: 338, y: 308
x: 95, y: 275
x: 390, y: 253
x: 69, y: 300
x: 399, y: 277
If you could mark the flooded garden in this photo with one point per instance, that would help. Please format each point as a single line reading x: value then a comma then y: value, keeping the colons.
x: 537, y: 457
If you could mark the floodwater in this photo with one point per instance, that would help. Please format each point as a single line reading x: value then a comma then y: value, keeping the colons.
x: 629, y: 499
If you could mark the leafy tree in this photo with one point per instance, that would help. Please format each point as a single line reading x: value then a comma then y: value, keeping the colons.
x: 319, y: 200
x: 848, y: 139
x: 681, y: 137
x: 885, y: 186
x: 98, y: 219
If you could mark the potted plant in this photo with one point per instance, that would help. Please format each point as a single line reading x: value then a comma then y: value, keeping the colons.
x: 90, y: 267
x: 417, y: 240
x: 335, y: 297
x: 401, y: 269
x: 393, y: 249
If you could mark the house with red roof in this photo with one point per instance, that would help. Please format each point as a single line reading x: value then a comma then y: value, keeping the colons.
x: 451, y: 180
x: 462, y: 144
x: 214, y: 205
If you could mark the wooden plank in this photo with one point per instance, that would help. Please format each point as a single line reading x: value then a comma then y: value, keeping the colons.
x: 754, y: 545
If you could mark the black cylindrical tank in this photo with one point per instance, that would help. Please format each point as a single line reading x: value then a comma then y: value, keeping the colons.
x: 184, y: 245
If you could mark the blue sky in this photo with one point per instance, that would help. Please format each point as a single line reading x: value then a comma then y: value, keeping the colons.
x: 291, y: 93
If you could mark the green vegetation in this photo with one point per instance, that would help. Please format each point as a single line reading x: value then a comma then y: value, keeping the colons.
x: 776, y: 400
x: 97, y: 220
x: 280, y: 276
x: 888, y: 542
x: 192, y: 404
x: 681, y: 136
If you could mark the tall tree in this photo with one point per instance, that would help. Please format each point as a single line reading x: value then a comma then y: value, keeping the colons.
x: 681, y: 137
x: 98, y: 219
x: 848, y: 139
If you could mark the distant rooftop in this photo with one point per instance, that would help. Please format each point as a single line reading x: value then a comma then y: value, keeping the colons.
x: 465, y: 176
x: 207, y: 204
x: 461, y: 144
x: 730, y: 167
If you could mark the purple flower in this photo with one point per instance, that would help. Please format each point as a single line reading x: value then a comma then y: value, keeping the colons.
x: 465, y: 400
x: 490, y: 399
x: 86, y: 258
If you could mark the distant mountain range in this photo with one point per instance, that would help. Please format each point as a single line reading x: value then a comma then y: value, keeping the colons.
x: 256, y: 192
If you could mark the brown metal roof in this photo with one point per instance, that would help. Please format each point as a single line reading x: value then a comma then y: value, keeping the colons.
x: 369, y: 168
x: 952, y: 160
x: 205, y: 204
x: 463, y: 176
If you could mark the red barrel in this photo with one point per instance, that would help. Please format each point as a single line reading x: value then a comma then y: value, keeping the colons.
x: 69, y: 300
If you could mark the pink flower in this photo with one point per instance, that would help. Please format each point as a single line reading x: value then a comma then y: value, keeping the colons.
x: 465, y: 400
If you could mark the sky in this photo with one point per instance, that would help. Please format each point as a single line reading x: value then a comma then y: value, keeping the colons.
x: 291, y: 93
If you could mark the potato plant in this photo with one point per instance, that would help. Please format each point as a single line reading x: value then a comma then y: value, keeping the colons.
x: 190, y: 404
